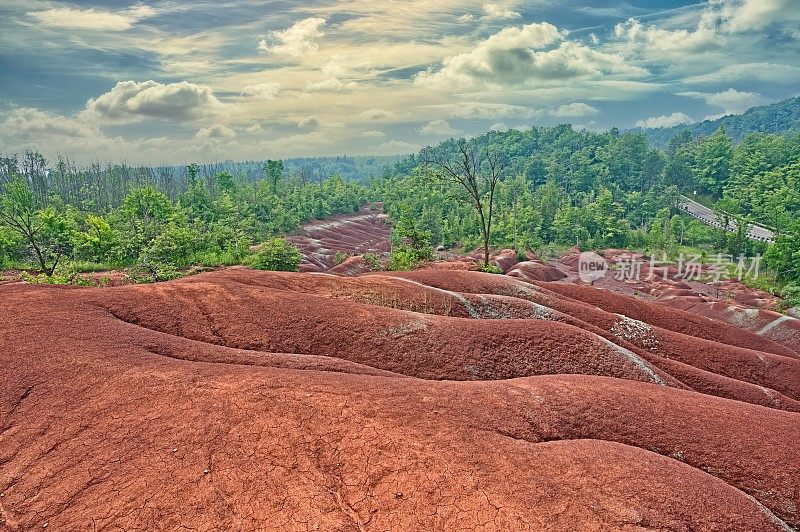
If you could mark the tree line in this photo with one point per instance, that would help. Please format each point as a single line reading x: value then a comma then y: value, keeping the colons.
x: 524, y: 189
x: 50, y: 218
x: 602, y: 190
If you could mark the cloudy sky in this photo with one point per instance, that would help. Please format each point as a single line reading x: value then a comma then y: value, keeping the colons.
x: 176, y: 81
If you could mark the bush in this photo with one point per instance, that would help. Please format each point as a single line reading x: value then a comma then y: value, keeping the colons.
x: 372, y: 261
x: 340, y: 257
x: 790, y: 296
x: 277, y: 255
x: 402, y: 259
x: 153, y: 272
x: 174, y: 245
x: 64, y: 274
x: 405, y: 258
x: 11, y: 246
x: 490, y: 268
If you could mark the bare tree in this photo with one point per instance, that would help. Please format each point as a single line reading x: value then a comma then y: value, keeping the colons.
x: 477, y: 171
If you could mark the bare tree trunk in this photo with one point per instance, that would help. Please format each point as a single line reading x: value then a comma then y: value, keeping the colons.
x: 478, y: 175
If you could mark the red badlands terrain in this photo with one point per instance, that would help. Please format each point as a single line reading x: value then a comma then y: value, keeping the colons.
x: 439, y: 399
x: 366, y: 231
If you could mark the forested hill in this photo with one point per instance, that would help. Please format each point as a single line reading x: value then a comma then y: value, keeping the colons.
x: 780, y: 117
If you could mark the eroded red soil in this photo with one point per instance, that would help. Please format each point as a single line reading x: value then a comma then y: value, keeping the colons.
x: 366, y: 231
x: 438, y: 399
x: 428, y: 400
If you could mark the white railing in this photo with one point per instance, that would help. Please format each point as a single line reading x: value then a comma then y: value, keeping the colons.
x: 711, y: 219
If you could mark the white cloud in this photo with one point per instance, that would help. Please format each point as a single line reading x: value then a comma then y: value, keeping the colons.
x: 491, y: 111
x: 216, y: 131
x: 92, y: 19
x: 263, y: 91
x: 377, y: 114
x: 29, y: 124
x: 300, y: 39
x: 439, y: 128
x: 310, y: 122
x: 466, y: 17
x: 344, y: 65
x: 54, y: 134
x: 296, y: 145
x: 373, y: 133
x: 131, y: 101
x: 499, y: 126
x: 255, y: 128
x: 763, y: 72
x: 658, y: 42
x: 330, y: 85
x: 754, y: 15
x: 731, y: 100
x: 675, y: 119
x: 397, y: 147
x: 494, y: 11
x: 717, y: 21
x: 574, y: 109
x: 510, y: 58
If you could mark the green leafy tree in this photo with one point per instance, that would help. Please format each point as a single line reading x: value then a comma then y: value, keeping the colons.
x: 95, y: 239
x: 173, y: 246
x: 712, y: 162
x: 225, y: 182
x: 139, y: 219
x: 274, y: 173
x: 784, y: 255
x: 46, y: 231
x: 277, y: 254
x: 411, y: 243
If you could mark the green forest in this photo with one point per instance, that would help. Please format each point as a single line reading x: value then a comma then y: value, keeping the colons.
x: 61, y: 220
x: 603, y: 190
x: 541, y: 189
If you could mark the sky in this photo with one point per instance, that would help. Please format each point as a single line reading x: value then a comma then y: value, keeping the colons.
x: 178, y: 81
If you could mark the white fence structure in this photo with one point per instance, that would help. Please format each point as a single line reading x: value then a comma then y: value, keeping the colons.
x: 707, y: 216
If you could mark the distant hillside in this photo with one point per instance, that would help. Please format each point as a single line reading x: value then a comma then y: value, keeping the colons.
x: 780, y: 117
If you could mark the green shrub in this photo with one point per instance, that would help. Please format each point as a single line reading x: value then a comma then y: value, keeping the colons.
x: 490, y: 268
x: 372, y: 261
x: 64, y: 274
x: 402, y: 259
x: 790, y: 296
x: 153, y: 272
x: 174, y: 245
x: 340, y: 257
x: 277, y: 255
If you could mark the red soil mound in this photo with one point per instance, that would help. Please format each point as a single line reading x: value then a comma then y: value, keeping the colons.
x: 252, y: 400
x: 679, y: 321
x: 536, y: 271
x: 714, y: 368
x: 724, y: 300
x: 366, y: 231
x: 505, y: 260
x: 351, y: 266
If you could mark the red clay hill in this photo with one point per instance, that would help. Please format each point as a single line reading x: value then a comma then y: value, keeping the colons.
x: 439, y: 399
